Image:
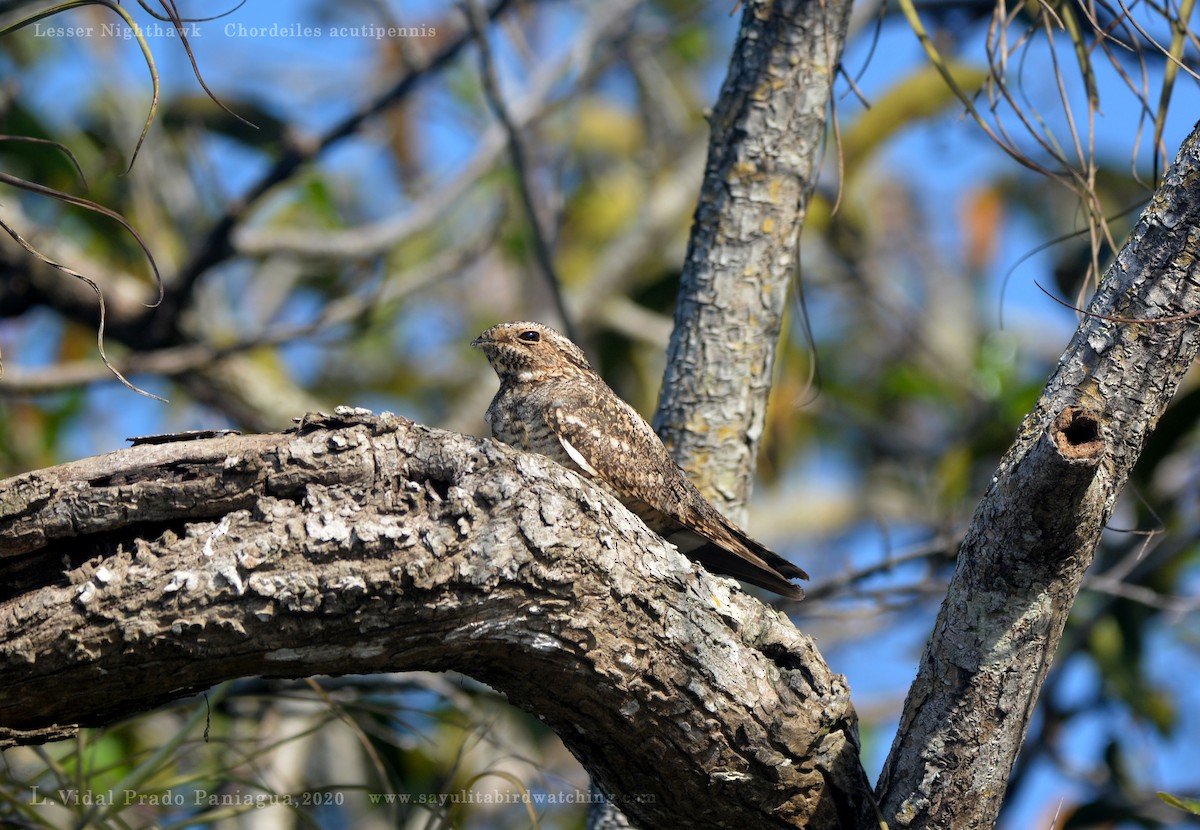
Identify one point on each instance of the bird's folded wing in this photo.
(611, 442)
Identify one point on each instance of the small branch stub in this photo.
(1076, 433)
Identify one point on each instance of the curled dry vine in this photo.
(171, 14)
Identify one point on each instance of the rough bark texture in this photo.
(1035, 532)
(362, 544)
(767, 127)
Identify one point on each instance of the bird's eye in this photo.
(530, 336)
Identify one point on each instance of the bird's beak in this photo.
(478, 342)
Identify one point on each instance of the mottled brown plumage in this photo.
(552, 402)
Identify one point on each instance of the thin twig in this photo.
(99, 302)
(185, 359)
(217, 245)
(939, 549)
(543, 254)
(380, 236)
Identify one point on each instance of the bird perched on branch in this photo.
(553, 403)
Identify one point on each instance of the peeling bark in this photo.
(367, 544)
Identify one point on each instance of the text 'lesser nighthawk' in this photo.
(553, 403)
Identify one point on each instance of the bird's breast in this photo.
(520, 422)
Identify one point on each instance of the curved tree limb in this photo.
(361, 544)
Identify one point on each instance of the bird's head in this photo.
(522, 352)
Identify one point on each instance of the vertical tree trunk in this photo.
(767, 128)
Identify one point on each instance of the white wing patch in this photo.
(577, 457)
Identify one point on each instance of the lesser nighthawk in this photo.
(552, 402)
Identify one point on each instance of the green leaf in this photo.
(1188, 805)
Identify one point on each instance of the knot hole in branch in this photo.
(1077, 433)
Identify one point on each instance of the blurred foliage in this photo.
(366, 752)
(346, 248)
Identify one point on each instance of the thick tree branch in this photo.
(1036, 530)
(364, 544)
(767, 127)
